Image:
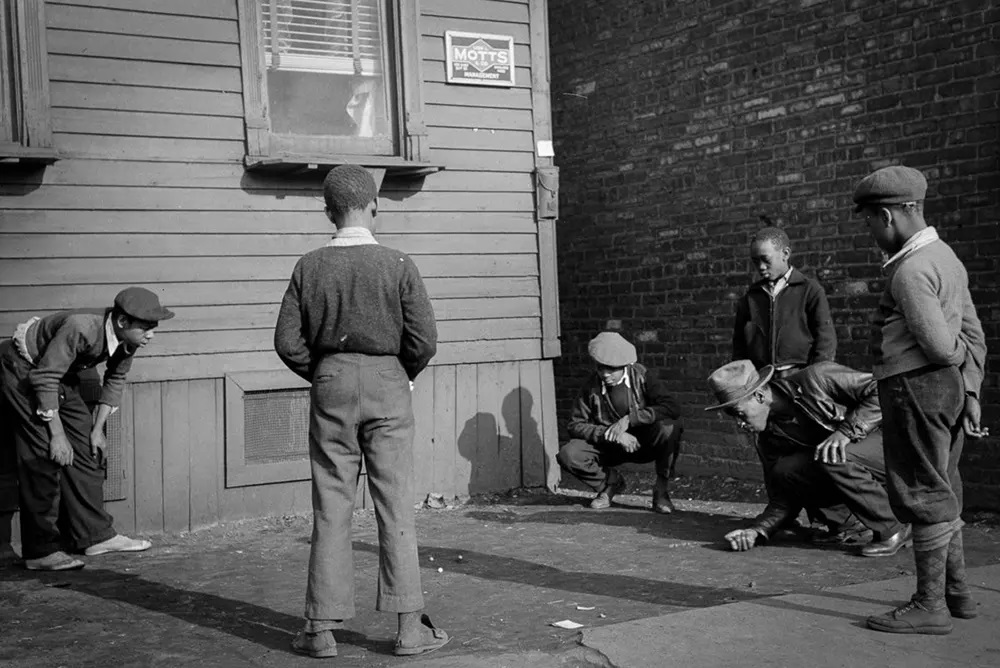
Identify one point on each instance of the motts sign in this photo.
(484, 60)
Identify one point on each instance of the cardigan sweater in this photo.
(794, 327)
(66, 343)
(355, 299)
(927, 317)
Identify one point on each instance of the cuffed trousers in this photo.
(921, 418)
(659, 442)
(53, 496)
(361, 407)
(858, 483)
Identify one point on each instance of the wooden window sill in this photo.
(298, 164)
(27, 156)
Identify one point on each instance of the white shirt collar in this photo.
(625, 379)
(778, 285)
(109, 333)
(352, 236)
(928, 235)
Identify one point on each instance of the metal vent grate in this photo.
(114, 484)
(276, 426)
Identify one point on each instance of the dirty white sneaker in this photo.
(57, 561)
(118, 543)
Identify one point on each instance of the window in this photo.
(332, 81)
(25, 129)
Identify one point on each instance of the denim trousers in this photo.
(62, 507)
(658, 442)
(921, 420)
(361, 408)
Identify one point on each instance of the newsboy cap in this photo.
(890, 185)
(141, 304)
(611, 349)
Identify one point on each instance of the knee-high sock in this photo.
(931, 568)
(955, 572)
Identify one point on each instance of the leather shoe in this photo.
(912, 617)
(891, 545)
(661, 498)
(961, 606)
(615, 486)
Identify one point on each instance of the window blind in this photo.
(334, 36)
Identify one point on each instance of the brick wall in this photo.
(682, 127)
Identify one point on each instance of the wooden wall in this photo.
(150, 189)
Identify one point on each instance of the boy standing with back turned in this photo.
(929, 370)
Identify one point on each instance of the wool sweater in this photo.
(66, 343)
(360, 299)
(793, 328)
(927, 317)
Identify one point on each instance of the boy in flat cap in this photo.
(623, 413)
(59, 444)
(930, 371)
(357, 323)
(819, 444)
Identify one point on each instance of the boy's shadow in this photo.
(247, 621)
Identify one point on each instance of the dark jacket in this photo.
(649, 402)
(798, 330)
(831, 396)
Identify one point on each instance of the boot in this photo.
(614, 485)
(661, 498)
(926, 612)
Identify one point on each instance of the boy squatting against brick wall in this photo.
(930, 370)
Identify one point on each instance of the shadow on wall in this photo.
(501, 459)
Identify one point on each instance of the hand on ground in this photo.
(742, 540)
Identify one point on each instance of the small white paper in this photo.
(567, 624)
(584, 607)
(545, 149)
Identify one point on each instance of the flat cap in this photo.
(611, 349)
(890, 185)
(142, 304)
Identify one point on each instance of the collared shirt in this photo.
(352, 236)
(928, 235)
(775, 288)
(623, 379)
(109, 332)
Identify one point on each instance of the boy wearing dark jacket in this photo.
(623, 413)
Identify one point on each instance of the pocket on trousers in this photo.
(393, 375)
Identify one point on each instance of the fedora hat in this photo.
(736, 381)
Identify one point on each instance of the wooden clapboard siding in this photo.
(123, 20)
(216, 9)
(253, 222)
(478, 428)
(84, 95)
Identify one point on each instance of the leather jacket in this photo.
(835, 398)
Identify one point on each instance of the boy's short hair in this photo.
(775, 235)
(348, 187)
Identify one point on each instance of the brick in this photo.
(718, 117)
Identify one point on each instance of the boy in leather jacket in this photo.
(819, 444)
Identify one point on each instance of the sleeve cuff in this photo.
(46, 415)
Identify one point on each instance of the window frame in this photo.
(30, 88)
(264, 148)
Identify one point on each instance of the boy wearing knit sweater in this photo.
(356, 322)
(930, 371)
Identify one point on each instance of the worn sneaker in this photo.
(57, 561)
(118, 543)
(913, 617)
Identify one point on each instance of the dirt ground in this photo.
(510, 566)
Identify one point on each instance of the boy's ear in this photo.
(374, 207)
(885, 215)
(329, 214)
